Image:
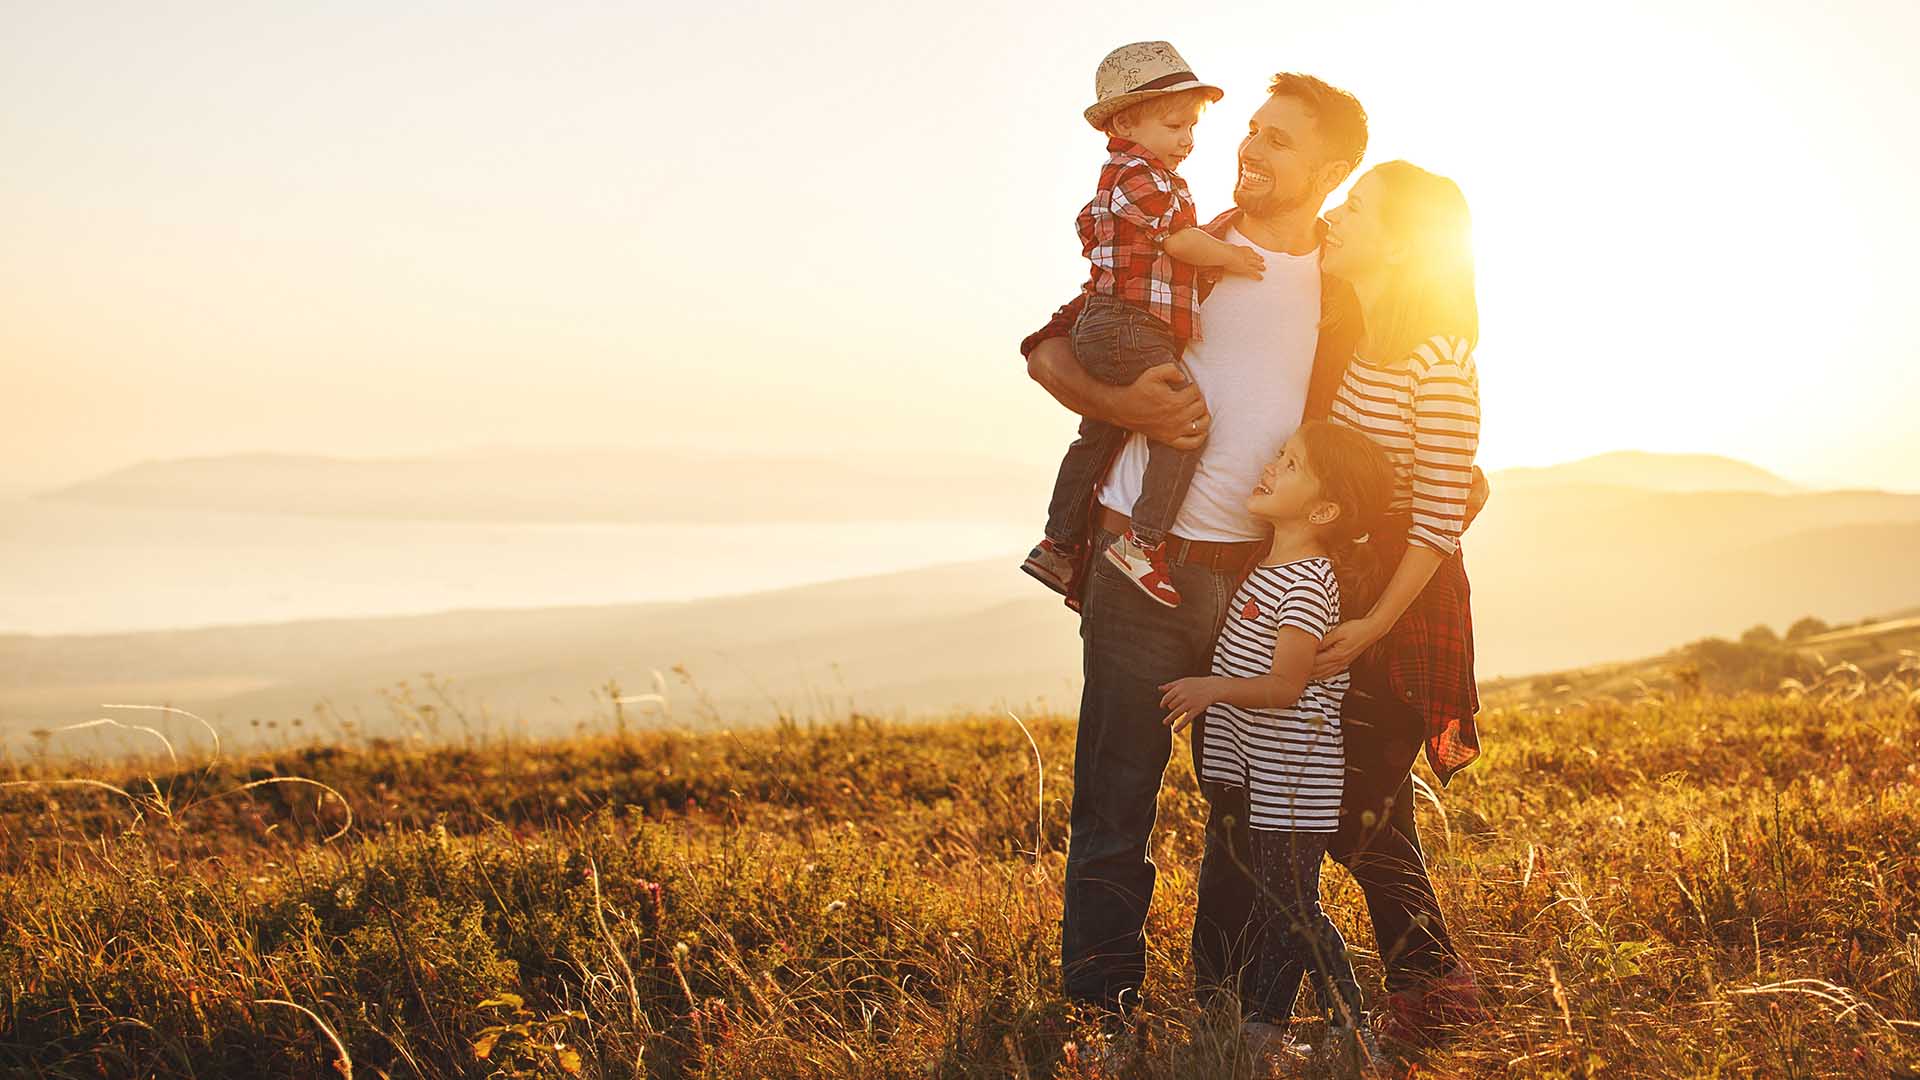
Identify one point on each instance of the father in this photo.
(1275, 351)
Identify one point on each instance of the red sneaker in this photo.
(1145, 567)
(1457, 1000)
(1052, 565)
(1428, 1015)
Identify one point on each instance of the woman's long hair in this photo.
(1356, 476)
(1429, 292)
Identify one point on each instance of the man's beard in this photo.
(1272, 203)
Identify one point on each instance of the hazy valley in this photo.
(1570, 567)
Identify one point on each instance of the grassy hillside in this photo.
(1677, 886)
(1809, 659)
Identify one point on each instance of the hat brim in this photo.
(1100, 112)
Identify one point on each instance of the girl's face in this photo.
(1288, 490)
(1357, 242)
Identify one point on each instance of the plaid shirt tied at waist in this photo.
(1140, 203)
(1426, 661)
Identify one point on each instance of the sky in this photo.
(368, 229)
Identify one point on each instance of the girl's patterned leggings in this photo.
(1293, 931)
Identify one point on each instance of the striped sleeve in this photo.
(1446, 434)
(1307, 605)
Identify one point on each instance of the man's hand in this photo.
(1188, 699)
(1246, 262)
(1164, 405)
(1477, 494)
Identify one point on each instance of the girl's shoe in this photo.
(1351, 1052)
(1145, 566)
(1052, 565)
(1275, 1052)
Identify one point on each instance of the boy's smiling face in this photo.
(1165, 128)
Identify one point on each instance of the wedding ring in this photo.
(1193, 426)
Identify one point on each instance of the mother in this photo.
(1403, 240)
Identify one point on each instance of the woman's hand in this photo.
(1342, 644)
(1186, 699)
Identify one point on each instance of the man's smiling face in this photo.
(1283, 160)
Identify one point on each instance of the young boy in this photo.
(1141, 234)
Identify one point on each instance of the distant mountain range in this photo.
(1652, 472)
(564, 485)
(1571, 566)
(508, 484)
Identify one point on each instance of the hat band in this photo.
(1164, 81)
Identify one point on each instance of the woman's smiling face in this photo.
(1287, 485)
(1357, 241)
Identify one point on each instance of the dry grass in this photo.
(1702, 887)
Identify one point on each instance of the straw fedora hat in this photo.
(1136, 72)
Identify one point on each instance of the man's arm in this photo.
(1161, 404)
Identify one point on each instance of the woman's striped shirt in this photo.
(1291, 760)
(1426, 414)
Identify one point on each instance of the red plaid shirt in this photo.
(1426, 661)
(1140, 203)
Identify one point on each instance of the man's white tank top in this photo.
(1253, 368)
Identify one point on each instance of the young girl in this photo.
(1273, 730)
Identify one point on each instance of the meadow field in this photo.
(1676, 885)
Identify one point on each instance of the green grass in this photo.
(1674, 887)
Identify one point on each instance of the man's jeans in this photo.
(1131, 644)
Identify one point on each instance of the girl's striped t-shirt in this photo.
(1290, 760)
(1426, 414)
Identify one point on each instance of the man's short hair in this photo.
(1336, 113)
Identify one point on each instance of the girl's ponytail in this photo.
(1356, 565)
(1356, 476)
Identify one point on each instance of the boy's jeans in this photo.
(1116, 342)
(1131, 644)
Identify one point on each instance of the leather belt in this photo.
(1231, 557)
